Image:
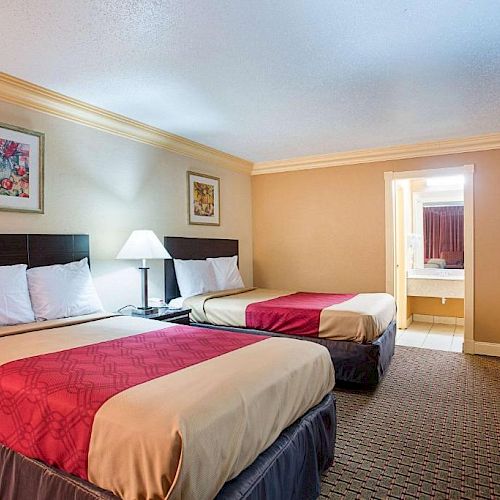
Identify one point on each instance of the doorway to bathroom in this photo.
(429, 240)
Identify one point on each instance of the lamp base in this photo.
(144, 311)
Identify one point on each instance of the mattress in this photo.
(149, 409)
(359, 317)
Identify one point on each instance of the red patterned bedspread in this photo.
(48, 402)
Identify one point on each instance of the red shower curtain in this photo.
(443, 231)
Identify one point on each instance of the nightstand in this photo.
(180, 316)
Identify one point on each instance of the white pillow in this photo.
(194, 277)
(62, 291)
(226, 272)
(15, 305)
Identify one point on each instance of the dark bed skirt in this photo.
(355, 364)
(289, 469)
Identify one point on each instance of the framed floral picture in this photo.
(203, 199)
(21, 169)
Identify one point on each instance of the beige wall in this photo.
(107, 186)
(324, 230)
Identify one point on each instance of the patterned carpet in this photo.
(430, 430)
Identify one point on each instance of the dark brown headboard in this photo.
(196, 249)
(42, 249)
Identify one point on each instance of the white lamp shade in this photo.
(143, 244)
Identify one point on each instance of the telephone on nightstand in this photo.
(156, 302)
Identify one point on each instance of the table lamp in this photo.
(142, 245)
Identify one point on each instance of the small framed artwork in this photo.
(203, 199)
(21, 169)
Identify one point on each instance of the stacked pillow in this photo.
(195, 277)
(227, 274)
(211, 275)
(15, 304)
(48, 292)
(63, 291)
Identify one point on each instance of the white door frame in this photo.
(468, 172)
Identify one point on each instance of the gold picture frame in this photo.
(22, 153)
(203, 199)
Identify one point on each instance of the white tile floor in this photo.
(432, 336)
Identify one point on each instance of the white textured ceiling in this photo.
(272, 79)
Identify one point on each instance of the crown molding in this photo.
(29, 95)
(433, 148)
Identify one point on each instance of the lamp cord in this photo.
(125, 307)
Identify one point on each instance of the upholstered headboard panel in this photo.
(42, 249)
(196, 249)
